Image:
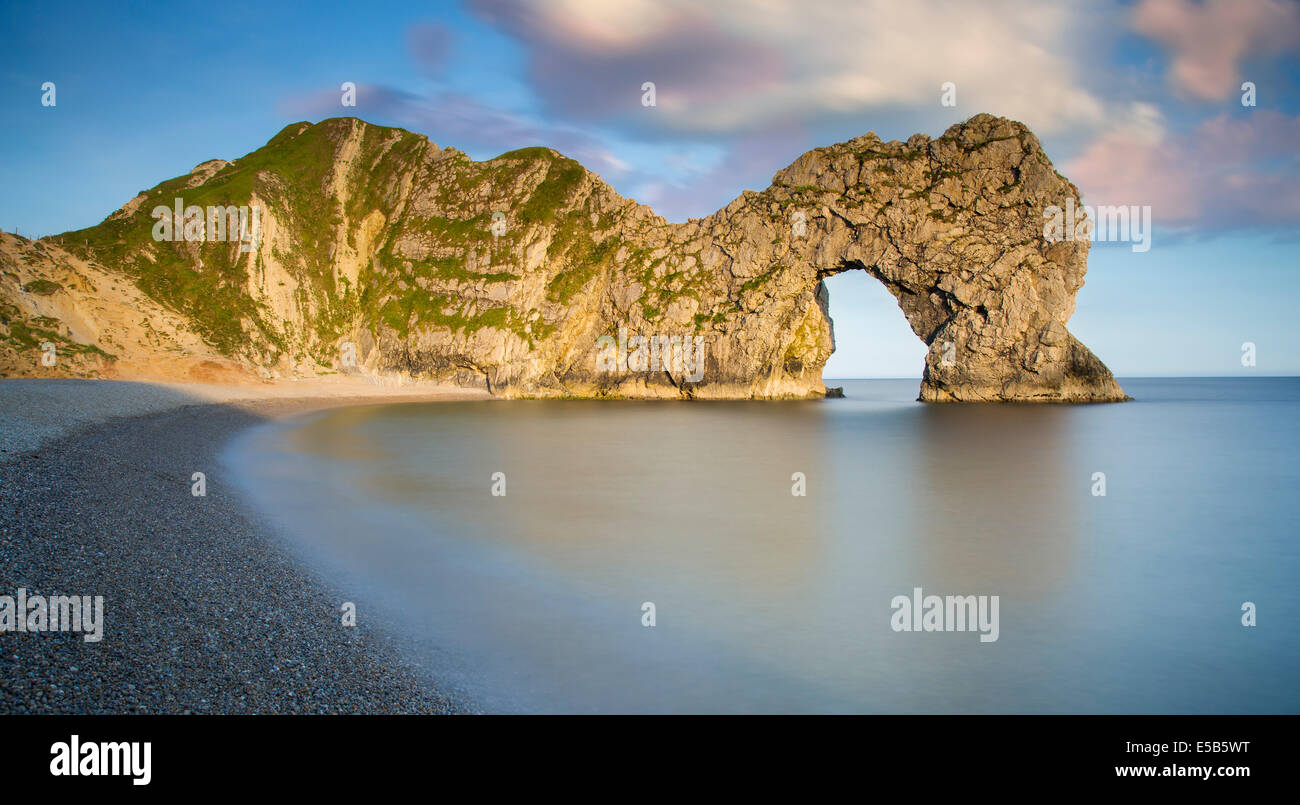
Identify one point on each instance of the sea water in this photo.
(1129, 547)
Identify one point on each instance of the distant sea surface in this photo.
(766, 601)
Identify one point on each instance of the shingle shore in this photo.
(203, 611)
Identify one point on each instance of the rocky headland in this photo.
(347, 248)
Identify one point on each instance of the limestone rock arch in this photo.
(953, 226)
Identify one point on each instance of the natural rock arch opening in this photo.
(873, 340)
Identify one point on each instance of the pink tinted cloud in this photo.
(1208, 40)
(1230, 172)
(579, 73)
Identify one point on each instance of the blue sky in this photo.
(1139, 103)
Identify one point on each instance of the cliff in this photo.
(371, 250)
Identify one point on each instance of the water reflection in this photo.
(769, 601)
(994, 498)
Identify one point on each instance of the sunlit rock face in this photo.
(380, 253)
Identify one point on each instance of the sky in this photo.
(1139, 103)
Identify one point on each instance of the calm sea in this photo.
(767, 601)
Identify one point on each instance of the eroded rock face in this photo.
(383, 254)
(954, 229)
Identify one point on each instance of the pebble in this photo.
(202, 603)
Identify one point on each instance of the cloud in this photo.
(752, 160)
(745, 86)
(1239, 171)
(457, 120)
(1208, 40)
(732, 66)
(671, 177)
(430, 46)
(589, 61)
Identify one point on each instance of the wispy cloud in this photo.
(455, 119)
(1238, 171)
(730, 66)
(431, 46)
(751, 85)
(707, 190)
(1209, 40)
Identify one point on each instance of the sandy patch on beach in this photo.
(37, 411)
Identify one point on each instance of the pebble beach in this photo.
(204, 611)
